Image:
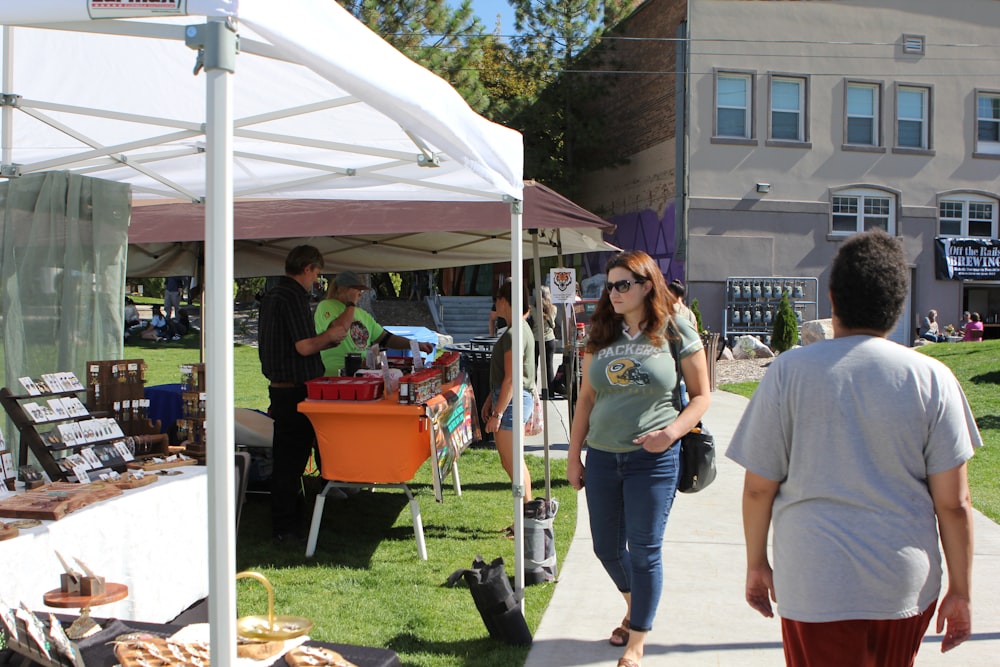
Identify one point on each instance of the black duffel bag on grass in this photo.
(494, 597)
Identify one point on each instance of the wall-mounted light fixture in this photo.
(763, 188)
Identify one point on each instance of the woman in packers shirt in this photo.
(625, 414)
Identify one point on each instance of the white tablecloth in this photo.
(153, 539)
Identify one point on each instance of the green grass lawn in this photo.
(366, 585)
(977, 367)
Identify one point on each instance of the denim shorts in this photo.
(507, 420)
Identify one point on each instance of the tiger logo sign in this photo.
(563, 285)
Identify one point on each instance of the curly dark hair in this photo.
(606, 324)
(869, 281)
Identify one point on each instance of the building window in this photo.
(858, 211)
(862, 114)
(968, 215)
(988, 122)
(733, 108)
(788, 108)
(912, 117)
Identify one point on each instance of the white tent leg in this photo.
(517, 307)
(218, 326)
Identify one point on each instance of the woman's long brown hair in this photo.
(606, 324)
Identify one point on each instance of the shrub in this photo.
(697, 316)
(785, 328)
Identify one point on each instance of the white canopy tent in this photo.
(315, 106)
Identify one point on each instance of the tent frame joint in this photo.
(10, 170)
(517, 490)
(429, 160)
(217, 45)
(516, 205)
(10, 100)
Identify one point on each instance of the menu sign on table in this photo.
(452, 428)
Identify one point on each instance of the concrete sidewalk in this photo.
(702, 618)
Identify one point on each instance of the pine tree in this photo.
(697, 315)
(446, 39)
(785, 327)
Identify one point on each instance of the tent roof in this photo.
(363, 236)
(324, 108)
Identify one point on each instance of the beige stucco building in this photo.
(800, 123)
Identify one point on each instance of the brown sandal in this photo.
(619, 636)
(625, 662)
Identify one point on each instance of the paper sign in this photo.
(562, 284)
(114, 9)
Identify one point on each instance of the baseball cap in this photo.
(349, 279)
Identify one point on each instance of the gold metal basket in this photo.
(270, 627)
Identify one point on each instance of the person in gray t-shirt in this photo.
(855, 449)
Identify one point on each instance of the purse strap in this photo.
(675, 353)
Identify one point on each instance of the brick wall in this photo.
(641, 107)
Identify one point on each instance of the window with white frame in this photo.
(856, 211)
(988, 122)
(788, 108)
(912, 117)
(733, 110)
(967, 215)
(862, 114)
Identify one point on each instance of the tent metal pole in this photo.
(540, 343)
(517, 309)
(7, 140)
(217, 47)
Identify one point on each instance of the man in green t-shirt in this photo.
(363, 331)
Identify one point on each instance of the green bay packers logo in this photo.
(623, 372)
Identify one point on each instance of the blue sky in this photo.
(487, 11)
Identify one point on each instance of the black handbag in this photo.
(697, 460)
(697, 468)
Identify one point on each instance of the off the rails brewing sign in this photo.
(966, 258)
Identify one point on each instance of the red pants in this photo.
(862, 643)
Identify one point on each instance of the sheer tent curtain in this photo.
(64, 239)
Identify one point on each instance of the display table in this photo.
(98, 649)
(153, 539)
(384, 443)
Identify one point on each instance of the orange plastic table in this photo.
(370, 443)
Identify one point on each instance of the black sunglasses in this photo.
(623, 285)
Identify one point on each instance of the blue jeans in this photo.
(629, 497)
(507, 420)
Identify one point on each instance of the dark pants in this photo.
(293, 442)
(550, 351)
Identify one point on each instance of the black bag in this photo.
(494, 597)
(697, 460)
(697, 447)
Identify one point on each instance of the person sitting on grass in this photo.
(180, 325)
(158, 328)
(974, 329)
